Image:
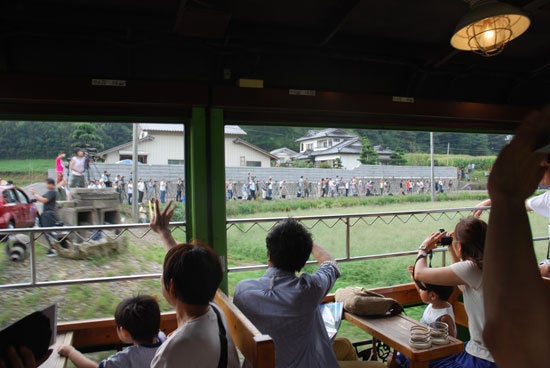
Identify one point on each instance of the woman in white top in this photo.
(466, 252)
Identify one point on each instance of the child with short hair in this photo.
(438, 310)
(138, 322)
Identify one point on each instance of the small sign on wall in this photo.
(109, 82)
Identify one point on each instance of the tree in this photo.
(337, 164)
(368, 155)
(398, 158)
(85, 135)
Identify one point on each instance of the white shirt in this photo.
(196, 344)
(432, 314)
(78, 164)
(162, 186)
(473, 302)
(141, 186)
(540, 204)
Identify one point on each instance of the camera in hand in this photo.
(446, 240)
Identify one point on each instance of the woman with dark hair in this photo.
(466, 251)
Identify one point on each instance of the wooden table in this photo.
(395, 332)
(55, 360)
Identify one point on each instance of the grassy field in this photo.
(25, 172)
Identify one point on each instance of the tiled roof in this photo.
(153, 127)
(324, 133)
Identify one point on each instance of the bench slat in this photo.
(257, 348)
(55, 360)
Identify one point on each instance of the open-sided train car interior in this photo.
(209, 63)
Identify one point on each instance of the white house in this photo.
(163, 144)
(332, 144)
(284, 155)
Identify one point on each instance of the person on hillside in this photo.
(270, 188)
(77, 167)
(467, 255)
(130, 191)
(48, 218)
(252, 189)
(150, 190)
(162, 188)
(517, 300)
(229, 190)
(63, 192)
(179, 189)
(284, 189)
(59, 167)
(191, 275)
(141, 190)
(138, 323)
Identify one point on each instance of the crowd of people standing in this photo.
(253, 188)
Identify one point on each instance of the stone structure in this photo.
(89, 207)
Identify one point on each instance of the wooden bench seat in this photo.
(100, 334)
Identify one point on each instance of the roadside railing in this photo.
(242, 226)
(111, 232)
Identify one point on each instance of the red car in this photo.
(16, 209)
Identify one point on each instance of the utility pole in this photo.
(432, 175)
(135, 176)
(448, 151)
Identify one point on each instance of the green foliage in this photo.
(398, 158)
(368, 155)
(302, 164)
(324, 165)
(273, 137)
(423, 159)
(236, 209)
(85, 135)
(36, 139)
(337, 163)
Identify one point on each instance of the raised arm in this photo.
(438, 275)
(38, 197)
(160, 223)
(487, 203)
(321, 254)
(514, 293)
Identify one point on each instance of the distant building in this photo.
(163, 144)
(284, 155)
(329, 145)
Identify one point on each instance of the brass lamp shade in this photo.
(488, 27)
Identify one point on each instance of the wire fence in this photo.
(239, 228)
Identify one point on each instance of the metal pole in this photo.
(432, 176)
(348, 250)
(135, 176)
(33, 259)
(448, 152)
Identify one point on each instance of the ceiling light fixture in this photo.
(488, 27)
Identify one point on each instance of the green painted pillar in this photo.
(217, 213)
(196, 175)
(205, 181)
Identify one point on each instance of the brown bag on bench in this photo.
(367, 303)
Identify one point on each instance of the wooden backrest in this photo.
(257, 348)
(100, 334)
